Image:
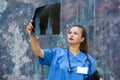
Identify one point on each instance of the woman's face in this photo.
(74, 35)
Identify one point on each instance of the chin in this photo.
(71, 42)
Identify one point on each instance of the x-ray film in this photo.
(46, 19)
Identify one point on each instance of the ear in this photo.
(82, 39)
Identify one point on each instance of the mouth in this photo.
(70, 38)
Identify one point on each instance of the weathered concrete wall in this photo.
(101, 18)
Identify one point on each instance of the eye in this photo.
(75, 33)
(69, 32)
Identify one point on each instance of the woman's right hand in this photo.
(29, 28)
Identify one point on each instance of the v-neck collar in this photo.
(73, 54)
(80, 56)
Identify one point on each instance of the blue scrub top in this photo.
(59, 65)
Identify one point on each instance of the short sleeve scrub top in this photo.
(57, 58)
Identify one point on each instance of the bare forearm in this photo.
(35, 46)
(34, 42)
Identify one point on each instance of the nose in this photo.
(71, 35)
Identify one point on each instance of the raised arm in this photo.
(34, 42)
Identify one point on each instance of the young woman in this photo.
(73, 63)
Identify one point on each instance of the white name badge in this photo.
(82, 70)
